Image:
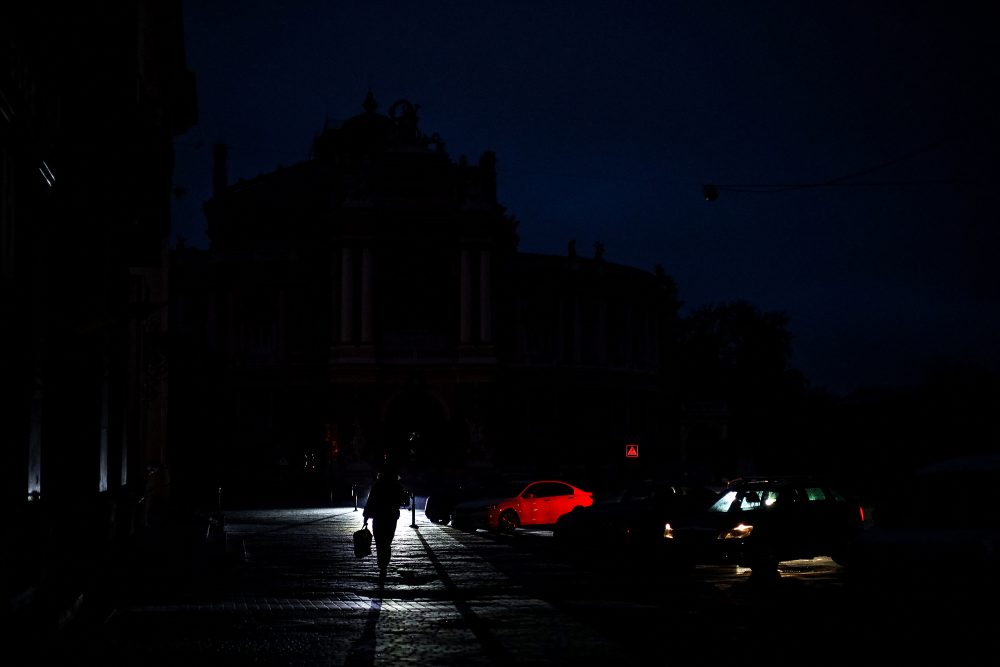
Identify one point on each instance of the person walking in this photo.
(382, 507)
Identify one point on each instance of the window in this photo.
(746, 500)
(815, 493)
(724, 503)
(547, 489)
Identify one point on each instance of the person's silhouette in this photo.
(384, 500)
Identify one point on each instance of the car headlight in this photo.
(740, 532)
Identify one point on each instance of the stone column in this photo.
(577, 332)
(629, 341)
(35, 432)
(485, 305)
(366, 295)
(280, 346)
(346, 295)
(602, 331)
(465, 330)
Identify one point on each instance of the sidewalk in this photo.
(70, 590)
(292, 593)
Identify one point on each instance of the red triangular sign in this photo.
(632, 451)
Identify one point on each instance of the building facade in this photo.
(89, 104)
(371, 302)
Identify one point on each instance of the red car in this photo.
(539, 503)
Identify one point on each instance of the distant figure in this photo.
(384, 500)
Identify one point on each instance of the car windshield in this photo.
(745, 500)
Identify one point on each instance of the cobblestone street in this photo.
(297, 596)
(291, 592)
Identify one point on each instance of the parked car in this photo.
(463, 487)
(934, 528)
(471, 511)
(540, 503)
(440, 503)
(448, 492)
(758, 522)
(629, 519)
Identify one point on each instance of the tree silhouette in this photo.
(737, 354)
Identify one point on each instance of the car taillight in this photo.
(861, 512)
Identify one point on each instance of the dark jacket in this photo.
(386, 497)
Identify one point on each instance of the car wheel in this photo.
(764, 567)
(678, 566)
(842, 555)
(508, 522)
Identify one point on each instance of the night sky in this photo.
(853, 145)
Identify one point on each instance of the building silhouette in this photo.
(371, 302)
(89, 103)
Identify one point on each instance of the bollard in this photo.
(413, 510)
(354, 492)
(215, 535)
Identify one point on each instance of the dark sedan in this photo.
(628, 520)
(472, 511)
(758, 522)
(465, 487)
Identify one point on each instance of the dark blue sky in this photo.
(608, 117)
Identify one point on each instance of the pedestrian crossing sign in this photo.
(631, 451)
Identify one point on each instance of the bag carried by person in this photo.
(362, 542)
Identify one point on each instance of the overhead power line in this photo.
(711, 190)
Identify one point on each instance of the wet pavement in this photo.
(288, 591)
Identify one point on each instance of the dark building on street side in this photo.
(371, 301)
(90, 99)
